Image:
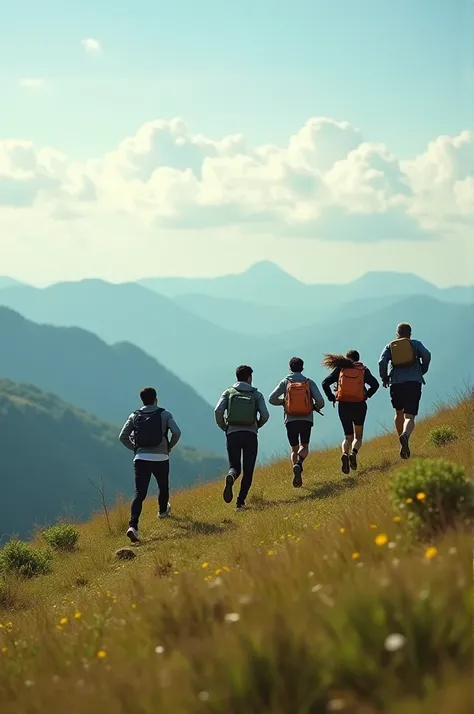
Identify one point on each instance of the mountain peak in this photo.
(265, 267)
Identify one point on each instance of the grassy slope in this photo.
(313, 617)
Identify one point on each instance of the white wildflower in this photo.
(160, 649)
(232, 617)
(395, 642)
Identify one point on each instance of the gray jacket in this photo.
(167, 424)
(277, 397)
(221, 408)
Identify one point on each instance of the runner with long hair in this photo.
(351, 394)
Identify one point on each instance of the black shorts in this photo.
(406, 397)
(299, 432)
(352, 414)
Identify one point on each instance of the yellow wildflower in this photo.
(355, 556)
(342, 530)
(4, 650)
(409, 500)
(397, 519)
(381, 539)
(101, 654)
(271, 552)
(218, 571)
(205, 565)
(372, 525)
(134, 607)
(420, 496)
(227, 570)
(63, 621)
(431, 552)
(77, 615)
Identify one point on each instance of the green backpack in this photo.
(241, 407)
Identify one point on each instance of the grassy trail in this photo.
(286, 608)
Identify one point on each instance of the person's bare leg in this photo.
(303, 452)
(358, 436)
(356, 444)
(346, 447)
(294, 454)
(297, 466)
(399, 421)
(409, 424)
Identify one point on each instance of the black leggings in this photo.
(242, 447)
(352, 414)
(143, 473)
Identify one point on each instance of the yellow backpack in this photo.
(402, 352)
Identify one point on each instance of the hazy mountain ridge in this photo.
(104, 380)
(268, 284)
(50, 449)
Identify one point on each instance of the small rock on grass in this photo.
(125, 554)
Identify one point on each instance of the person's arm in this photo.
(372, 382)
(277, 397)
(263, 415)
(220, 410)
(425, 357)
(317, 397)
(175, 432)
(126, 433)
(383, 365)
(328, 382)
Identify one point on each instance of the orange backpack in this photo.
(298, 401)
(351, 384)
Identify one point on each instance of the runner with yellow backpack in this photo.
(351, 394)
(300, 397)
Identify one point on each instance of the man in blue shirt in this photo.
(405, 378)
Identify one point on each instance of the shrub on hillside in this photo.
(22, 559)
(435, 494)
(442, 435)
(62, 537)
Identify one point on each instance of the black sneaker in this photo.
(345, 466)
(228, 490)
(405, 452)
(297, 478)
(353, 461)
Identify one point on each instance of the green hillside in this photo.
(102, 379)
(315, 600)
(48, 452)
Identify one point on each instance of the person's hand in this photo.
(385, 384)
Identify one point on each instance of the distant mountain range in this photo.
(267, 284)
(202, 336)
(48, 452)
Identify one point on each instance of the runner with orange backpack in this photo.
(351, 395)
(300, 397)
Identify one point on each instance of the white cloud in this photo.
(91, 45)
(327, 183)
(31, 82)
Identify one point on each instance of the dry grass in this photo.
(283, 609)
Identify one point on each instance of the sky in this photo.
(195, 138)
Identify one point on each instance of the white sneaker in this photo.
(132, 533)
(166, 513)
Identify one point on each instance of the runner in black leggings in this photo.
(351, 377)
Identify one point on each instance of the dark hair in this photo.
(243, 373)
(404, 329)
(296, 364)
(353, 355)
(339, 361)
(148, 396)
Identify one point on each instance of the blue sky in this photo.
(368, 105)
(398, 70)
